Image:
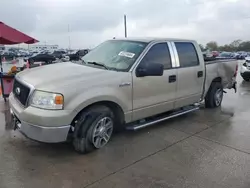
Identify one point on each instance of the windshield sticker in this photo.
(126, 54)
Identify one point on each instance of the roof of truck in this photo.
(154, 39)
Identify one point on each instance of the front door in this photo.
(155, 94)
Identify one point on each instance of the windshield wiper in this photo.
(98, 64)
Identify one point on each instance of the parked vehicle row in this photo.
(43, 56)
(126, 83)
(225, 55)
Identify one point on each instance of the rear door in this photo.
(155, 94)
(190, 75)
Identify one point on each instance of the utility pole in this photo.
(69, 37)
(125, 25)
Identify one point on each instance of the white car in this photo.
(245, 69)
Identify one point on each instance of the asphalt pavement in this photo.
(206, 148)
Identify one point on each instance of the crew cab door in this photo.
(190, 74)
(155, 94)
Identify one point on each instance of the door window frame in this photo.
(177, 56)
(146, 50)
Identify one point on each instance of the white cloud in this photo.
(91, 22)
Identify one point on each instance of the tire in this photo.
(89, 131)
(214, 95)
(31, 61)
(246, 79)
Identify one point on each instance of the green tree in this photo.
(212, 45)
(202, 47)
(236, 43)
(244, 46)
(226, 47)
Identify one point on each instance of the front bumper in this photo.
(40, 133)
(40, 125)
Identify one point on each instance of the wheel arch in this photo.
(217, 79)
(113, 106)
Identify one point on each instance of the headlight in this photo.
(47, 100)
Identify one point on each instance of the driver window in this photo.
(159, 53)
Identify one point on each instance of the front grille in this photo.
(21, 91)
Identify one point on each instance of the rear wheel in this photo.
(246, 79)
(214, 95)
(49, 61)
(31, 61)
(94, 129)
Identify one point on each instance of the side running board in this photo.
(152, 121)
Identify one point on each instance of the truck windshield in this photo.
(117, 55)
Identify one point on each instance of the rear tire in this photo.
(94, 129)
(214, 95)
(31, 61)
(246, 79)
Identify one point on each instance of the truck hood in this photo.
(50, 77)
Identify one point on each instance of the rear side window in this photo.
(159, 53)
(187, 54)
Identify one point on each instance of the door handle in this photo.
(172, 78)
(200, 74)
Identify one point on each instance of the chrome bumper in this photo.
(41, 133)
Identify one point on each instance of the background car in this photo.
(59, 54)
(78, 55)
(226, 55)
(42, 57)
(245, 69)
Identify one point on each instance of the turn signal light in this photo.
(59, 99)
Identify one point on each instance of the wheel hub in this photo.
(102, 132)
(218, 96)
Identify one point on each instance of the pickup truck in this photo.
(120, 84)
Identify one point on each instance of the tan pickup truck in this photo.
(122, 83)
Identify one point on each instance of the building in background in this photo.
(43, 47)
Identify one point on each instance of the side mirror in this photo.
(150, 69)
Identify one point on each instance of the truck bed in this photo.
(219, 61)
(222, 68)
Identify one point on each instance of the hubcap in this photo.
(218, 97)
(102, 132)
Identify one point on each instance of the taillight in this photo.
(236, 70)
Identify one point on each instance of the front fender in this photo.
(120, 96)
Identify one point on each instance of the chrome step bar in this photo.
(170, 116)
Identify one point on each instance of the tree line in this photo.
(237, 45)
